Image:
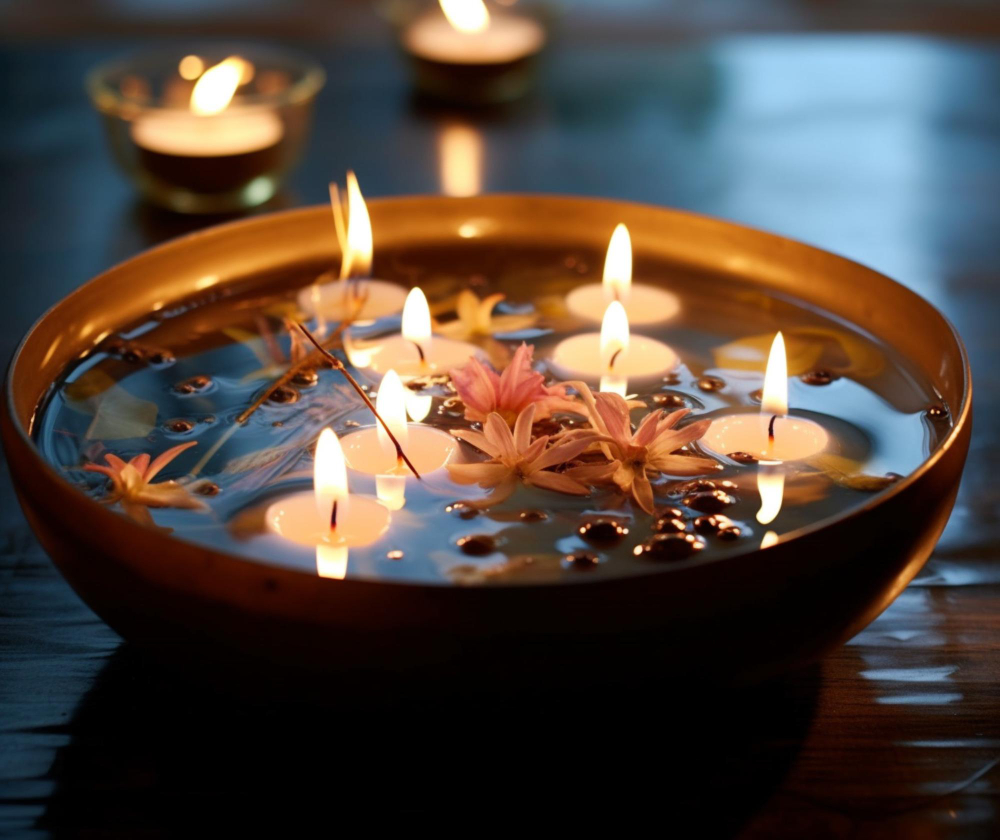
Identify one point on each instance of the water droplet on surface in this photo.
(477, 545)
(581, 560)
(711, 383)
(283, 395)
(670, 525)
(669, 400)
(395, 554)
(742, 457)
(207, 488)
(306, 378)
(195, 383)
(937, 412)
(462, 510)
(818, 377)
(757, 396)
(602, 531)
(711, 523)
(672, 379)
(533, 515)
(669, 547)
(162, 357)
(709, 501)
(180, 425)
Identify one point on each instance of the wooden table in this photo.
(885, 149)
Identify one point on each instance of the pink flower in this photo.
(650, 450)
(131, 484)
(485, 392)
(515, 457)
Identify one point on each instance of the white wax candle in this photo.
(644, 304)
(794, 438)
(184, 134)
(506, 38)
(331, 300)
(296, 519)
(428, 448)
(415, 352)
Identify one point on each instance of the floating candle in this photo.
(370, 450)
(329, 516)
(209, 147)
(415, 351)
(644, 304)
(612, 356)
(349, 296)
(467, 34)
(770, 435)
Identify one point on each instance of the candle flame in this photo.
(618, 266)
(330, 478)
(215, 89)
(771, 486)
(614, 335)
(460, 149)
(356, 241)
(417, 319)
(775, 396)
(391, 406)
(468, 16)
(331, 561)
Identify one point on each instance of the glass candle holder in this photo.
(471, 52)
(210, 130)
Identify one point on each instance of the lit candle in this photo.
(613, 356)
(771, 434)
(370, 450)
(467, 34)
(460, 153)
(363, 299)
(415, 351)
(329, 518)
(209, 146)
(644, 304)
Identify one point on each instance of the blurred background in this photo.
(868, 127)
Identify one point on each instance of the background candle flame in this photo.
(618, 266)
(357, 239)
(190, 67)
(466, 15)
(775, 394)
(330, 477)
(213, 92)
(460, 148)
(417, 319)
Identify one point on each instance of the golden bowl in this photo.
(740, 616)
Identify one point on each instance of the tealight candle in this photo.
(415, 351)
(209, 147)
(644, 304)
(370, 450)
(467, 34)
(329, 518)
(770, 435)
(353, 294)
(612, 356)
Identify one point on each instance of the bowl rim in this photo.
(960, 418)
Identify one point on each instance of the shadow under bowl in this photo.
(738, 617)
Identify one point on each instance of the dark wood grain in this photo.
(886, 149)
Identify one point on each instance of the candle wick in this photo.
(333, 516)
(420, 350)
(611, 364)
(338, 366)
(770, 428)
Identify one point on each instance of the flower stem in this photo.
(338, 365)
